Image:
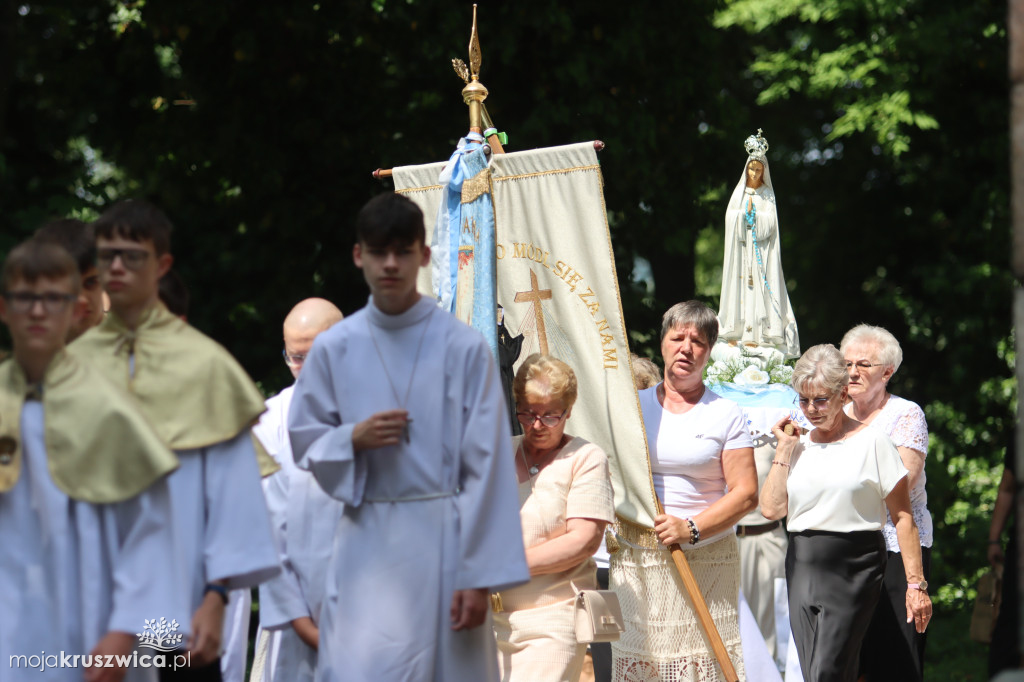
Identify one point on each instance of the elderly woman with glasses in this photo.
(893, 649)
(834, 484)
(702, 467)
(565, 494)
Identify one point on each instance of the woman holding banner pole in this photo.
(702, 464)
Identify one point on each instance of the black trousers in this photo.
(835, 580)
(601, 652)
(893, 651)
(1004, 652)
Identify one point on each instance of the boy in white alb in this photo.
(202, 404)
(89, 553)
(399, 414)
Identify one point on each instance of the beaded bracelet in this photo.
(694, 532)
(780, 463)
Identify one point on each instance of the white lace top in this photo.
(904, 421)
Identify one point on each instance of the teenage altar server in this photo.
(399, 414)
(88, 550)
(201, 403)
(304, 518)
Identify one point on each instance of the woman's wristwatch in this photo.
(923, 586)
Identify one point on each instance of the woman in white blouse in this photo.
(565, 502)
(834, 484)
(893, 649)
(702, 466)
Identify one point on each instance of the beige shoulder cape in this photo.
(99, 448)
(187, 385)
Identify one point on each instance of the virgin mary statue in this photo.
(755, 309)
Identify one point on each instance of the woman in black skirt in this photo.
(834, 484)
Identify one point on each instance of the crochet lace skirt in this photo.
(663, 641)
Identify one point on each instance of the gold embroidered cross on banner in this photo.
(535, 295)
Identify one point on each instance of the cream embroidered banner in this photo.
(557, 285)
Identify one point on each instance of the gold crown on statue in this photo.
(756, 146)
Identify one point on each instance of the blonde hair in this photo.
(543, 377)
(645, 372)
(822, 364)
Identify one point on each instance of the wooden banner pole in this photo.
(701, 607)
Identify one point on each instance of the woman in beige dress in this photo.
(565, 495)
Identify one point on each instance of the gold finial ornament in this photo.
(474, 49)
(474, 93)
(463, 72)
(461, 69)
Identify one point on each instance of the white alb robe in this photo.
(71, 571)
(422, 518)
(220, 517)
(303, 519)
(217, 505)
(754, 306)
(235, 636)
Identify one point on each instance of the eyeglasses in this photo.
(863, 364)
(293, 359)
(529, 418)
(819, 403)
(24, 301)
(132, 259)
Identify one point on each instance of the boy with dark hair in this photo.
(388, 220)
(89, 553)
(76, 237)
(398, 413)
(137, 221)
(201, 403)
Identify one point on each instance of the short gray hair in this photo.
(822, 364)
(691, 314)
(889, 352)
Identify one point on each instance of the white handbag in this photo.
(598, 616)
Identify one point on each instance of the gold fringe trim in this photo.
(410, 190)
(556, 171)
(637, 535)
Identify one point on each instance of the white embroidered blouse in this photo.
(904, 422)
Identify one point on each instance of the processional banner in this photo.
(557, 286)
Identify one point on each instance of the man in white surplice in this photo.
(399, 414)
(89, 553)
(303, 518)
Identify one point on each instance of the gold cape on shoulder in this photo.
(99, 448)
(219, 399)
